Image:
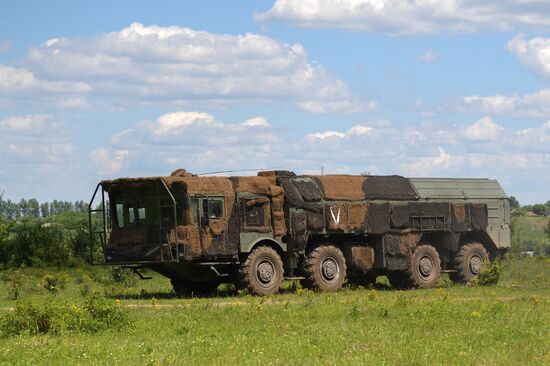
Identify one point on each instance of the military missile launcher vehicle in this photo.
(255, 231)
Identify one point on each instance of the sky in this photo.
(420, 88)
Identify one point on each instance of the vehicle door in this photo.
(255, 222)
(209, 214)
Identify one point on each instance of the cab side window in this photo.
(205, 209)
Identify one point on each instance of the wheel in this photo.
(423, 272)
(325, 268)
(186, 288)
(262, 271)
(469, 262)
(425, 267)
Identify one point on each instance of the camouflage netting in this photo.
(392, 187)
(341, 187)
(263, 185)
(399, 248)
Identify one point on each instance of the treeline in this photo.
(32, 208)
(538, 209)
(51, 233)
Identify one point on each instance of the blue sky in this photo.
(99, 90)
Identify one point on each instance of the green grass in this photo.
(507, 324)
(527, 228)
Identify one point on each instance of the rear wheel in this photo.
(262, 271)
(469, 262)
(423, 272)
(324, 269)
(425, 267)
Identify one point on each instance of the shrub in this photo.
(54, 283)
(31, 318)
(105, 314)
(123, 276)
(14, 282)
(490, 275)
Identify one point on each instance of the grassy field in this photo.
(528, 229)
(504, 324)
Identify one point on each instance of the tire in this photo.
(469, 261)
(425, 267)
(324, 269)
(262, 271)
(423, 272)
(186, 288)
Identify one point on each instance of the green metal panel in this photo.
(460, 188)
(249, 239)
(487, 191)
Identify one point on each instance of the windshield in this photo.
(138, 207)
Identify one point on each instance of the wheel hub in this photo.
(265, 271)
(329, 269)
(475, 264)
(426, 266)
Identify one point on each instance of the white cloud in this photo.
(195, 140)
(72, 103)
(153, 64)
(107, 163)
(34, 149)
(483, 130)
(529, 105)
(326, 135)
(15, 79)
(255, 122)
(199, 142)
(357, 130)
(429, 56)
(534, 53)
(31, 122)
(400, 17)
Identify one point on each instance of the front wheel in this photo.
(262, 271)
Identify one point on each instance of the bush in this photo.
(490, 275)
(14, 282)
(31, 318)
(123, 276)
(54, 283)
(105, 314)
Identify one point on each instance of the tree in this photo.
(33, 208)
(45, 209)
(23, 207)
(540, 209)
(514, 203)
(2, 205)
